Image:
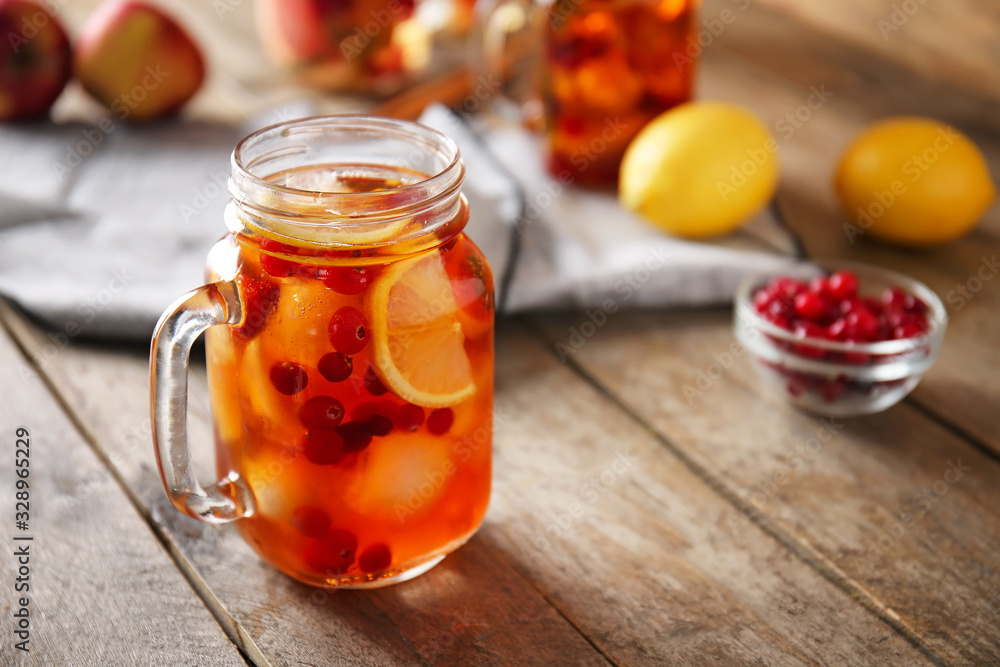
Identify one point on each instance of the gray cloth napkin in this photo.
(103, 226)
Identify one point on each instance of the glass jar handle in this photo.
(209, 305)
(506, 48)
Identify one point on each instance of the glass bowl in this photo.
(839, 378)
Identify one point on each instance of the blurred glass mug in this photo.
(349, 345)
(607, 68)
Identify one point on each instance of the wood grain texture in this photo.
(102, 589)
(902, 510)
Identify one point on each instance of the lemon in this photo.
(913, 181)
(700, 169)
(417, 338)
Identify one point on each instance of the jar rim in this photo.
(287, 210)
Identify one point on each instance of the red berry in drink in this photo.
(810, 306)
(259, 300)
(375, 558)
(335, 367)
(378, 425)
(288, 378)
(440, 421)
(311, 521)
(842, 285)
(409, 417)
(348, 330)
(273, 265)
(356, 436)
(332, 554)
(373, 384)
(347, 279)
(323, 448)
(322, 413)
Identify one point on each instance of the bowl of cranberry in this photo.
(838, 338)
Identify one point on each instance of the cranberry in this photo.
(859, 358)
(831, 390)
(375, 558)
(820, 286)
(843, 285)
(798, 384)
(323, 448)
(347, 279)
(862, 325)
(908, 330)
(810, 306)
(322, 413)
(260, 299)
(379, 425)
(348, 330)
(439, 421)
(311, 521)
(356, 436)
(276, 266)
(850, 305)
(894, 298)
(335, 366)
(333, 553)
(915, 304)
(837, 330)
(373, 384)
(810, 330)
(288, 378)
(409, 417)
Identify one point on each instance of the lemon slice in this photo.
(417, 339)
(362, 233)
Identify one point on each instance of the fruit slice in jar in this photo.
(417, 340)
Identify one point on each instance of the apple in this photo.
(35, 59)
(137, 61)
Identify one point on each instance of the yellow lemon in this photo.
(913, 181)
(700, 169)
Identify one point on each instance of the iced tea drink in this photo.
(352, 392)
(611, 67)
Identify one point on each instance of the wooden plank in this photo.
(93, 560)
(895, 508)
(958, 40)
(471, 609)
(640, 572)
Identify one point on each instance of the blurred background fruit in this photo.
(137, 60)
(35, 59)
(914, 182)
(701, 169)
(363, 45)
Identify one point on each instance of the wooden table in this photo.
(629, 525)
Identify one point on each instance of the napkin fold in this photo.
(101, 229)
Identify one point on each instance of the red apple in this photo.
(137, 60)
(339, 44)
(35, 60)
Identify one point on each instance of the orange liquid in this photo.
(612, 66)
(389, 485)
